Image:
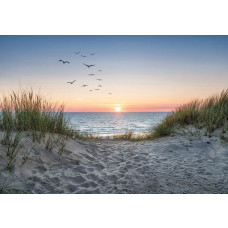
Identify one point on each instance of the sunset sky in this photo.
(143, 73)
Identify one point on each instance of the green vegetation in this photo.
(210, 114)
(27, 111)
(128, 135)
(131, 136)
(12, 144)
(5, 187)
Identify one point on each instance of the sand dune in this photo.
(178, 164)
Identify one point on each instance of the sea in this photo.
(108, 123)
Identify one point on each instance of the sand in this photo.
(175, 164)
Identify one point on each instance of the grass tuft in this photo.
(211, 114)
(128, 135)
(28, 111)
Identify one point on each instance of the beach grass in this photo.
(209, 114)
(133, 137)
(28, 111)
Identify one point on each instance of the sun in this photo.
(118, 109)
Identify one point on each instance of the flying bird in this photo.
(100, 86)
(84, 85)
(99, 79)
(89, 65)
(90, 90)
(83, 56)
(71, 82)
(91, 74)
(110, 93)
(92, 53)
(77, 53)
(99, 70)
(64, 61)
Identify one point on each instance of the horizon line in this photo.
(115, 112)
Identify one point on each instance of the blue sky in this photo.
(143, 73)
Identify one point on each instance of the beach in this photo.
(188, 163)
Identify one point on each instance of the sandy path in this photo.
(168, 165)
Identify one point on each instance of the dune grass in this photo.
(28, 111)
(131, 136)
(210, 114)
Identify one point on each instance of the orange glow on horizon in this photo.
(120, 109)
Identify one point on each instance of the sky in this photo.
(142, 73)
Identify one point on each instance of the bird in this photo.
(90, 90)
(91, 74)
(64, 61)
(99, 79)
(77, 53)
(99, 70)
(92, 53)
(83, 56)
(97, 89)
(100, 86)
(71, 82)
(84, 85)
(89, 65)
(110, 93)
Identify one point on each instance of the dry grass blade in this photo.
(28, 111)
(210, 114)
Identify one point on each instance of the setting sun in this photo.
(118, 109)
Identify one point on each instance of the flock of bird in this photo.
(88, 66)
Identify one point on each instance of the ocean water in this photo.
(106, 124)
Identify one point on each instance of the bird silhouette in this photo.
(110, 93)
(84, 85)
(91, 74)
(92, 53)
(89, 65)
(71, 82)
(99, 79)
(64, 61)
(77, 53)
(100, 86)
(90, 90)
(99, 70)
(83, 56)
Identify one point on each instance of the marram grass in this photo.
(28, 111)
(210, 114)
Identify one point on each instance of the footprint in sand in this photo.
(89, 184)
(79, 169)
(41, 169)
(72, 188)
(78, 179)
(34, 172)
